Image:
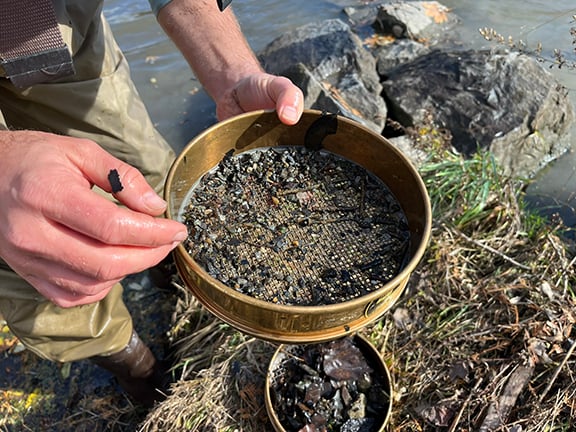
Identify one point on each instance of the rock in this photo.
(361, 15)
(358, 408)
(403, 143)
(427, 22)
(422, 21)
(397, 53)
(336, 73)
(504, 102)
(399, 32)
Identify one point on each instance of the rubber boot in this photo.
(137, 371)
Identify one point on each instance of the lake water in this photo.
(181, 109)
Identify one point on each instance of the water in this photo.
(181, 109)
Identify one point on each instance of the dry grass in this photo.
(222, 377)
(482, 339)
(557, 58)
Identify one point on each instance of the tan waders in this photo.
(100, 103)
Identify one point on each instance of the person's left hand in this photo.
(262, 91)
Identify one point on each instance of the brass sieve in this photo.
(345, 243)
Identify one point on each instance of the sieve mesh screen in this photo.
(298, 227)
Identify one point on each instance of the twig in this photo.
(499, 409)
(571, 263)
(494, 251)
(557, 372)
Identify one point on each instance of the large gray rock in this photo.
(505, 102)
(336, 73)
(398, 32)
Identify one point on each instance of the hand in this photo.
(213, 44)
(66, 240)
(263, 91)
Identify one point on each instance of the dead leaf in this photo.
(7, 339)
(440, 415)
(378, 40)
(460, 371)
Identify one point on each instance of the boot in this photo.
(137, 371)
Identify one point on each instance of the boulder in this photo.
(335, 71)
(427, 22)
(504, 102)
(423, 21)
(398, 32)
(397, 53)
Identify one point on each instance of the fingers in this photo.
(81, 274)
(64, 196)
(69, 242)
(112, 175)
(87, 257)
(96, 217)
(264, 91)
(114, 262)
(65, 297)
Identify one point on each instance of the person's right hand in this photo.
(66, 240)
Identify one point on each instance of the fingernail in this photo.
(153, 201)
(290, 114)
(180, 237)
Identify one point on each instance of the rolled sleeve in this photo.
(156, 5)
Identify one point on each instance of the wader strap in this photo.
(32, 50)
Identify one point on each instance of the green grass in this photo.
(461, 187)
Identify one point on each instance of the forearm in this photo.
(211, 41)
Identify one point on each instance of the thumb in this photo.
(289, 99)
(122, 180)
